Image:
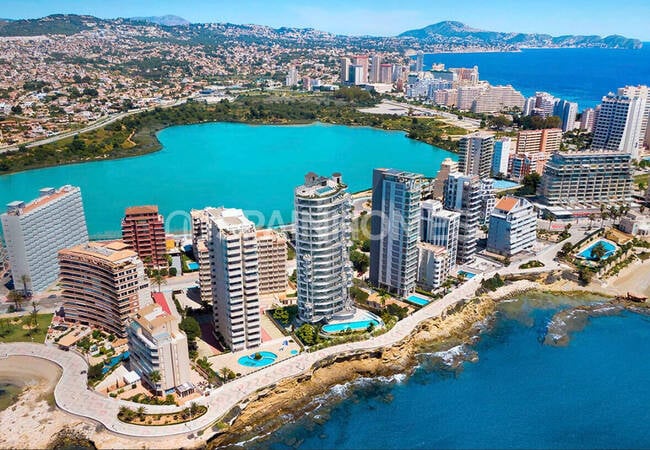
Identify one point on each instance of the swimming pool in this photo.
(193, 266)
(354, 326)
(468, 275)
(504, 184)
(417, 300)
(265, 359)
(610, 249)
(114, 361)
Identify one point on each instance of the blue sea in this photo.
(582, 75)
(520, 393)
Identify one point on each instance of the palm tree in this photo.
(155, 378)
(603, 214)
(25, 279)
(158, 279)
(592, 217)
(598, 251)
(16, 297)
(194, 409)
(140, 412)
(613, 212)
(548, 215)
(33, 318)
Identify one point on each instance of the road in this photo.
(95, 125)
(466, 122)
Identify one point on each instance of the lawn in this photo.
(11, 328)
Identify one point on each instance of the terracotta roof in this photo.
(507, 203)
(146, 209)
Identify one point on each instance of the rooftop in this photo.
(145, 209)
(320, 186)
(230, 220)
(112, 252)
(48, 195)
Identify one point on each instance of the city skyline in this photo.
(380, 17)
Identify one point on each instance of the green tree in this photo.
(307, 334)
(158, 279)
(24, 278)
(598, 251)
(140, 412)
(281, 315)
(17, 298)
(585, 275)
(360, 261)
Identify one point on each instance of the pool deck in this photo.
(275, 346)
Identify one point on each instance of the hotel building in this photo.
(513, 227)
(463, 195)
(144, 230)
(395, 226)
(34, 232)
(235, 278)
(103, 284)
(496, 99)
(475, 154)
(323, 240)
(156, 344)
(587, 179)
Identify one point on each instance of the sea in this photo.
(582, 75)
(513, 391)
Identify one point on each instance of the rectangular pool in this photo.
(417, 300)
(468, 275)
(610, 249)
(354, 326)
(500, 185)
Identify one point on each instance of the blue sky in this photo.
(376, 17)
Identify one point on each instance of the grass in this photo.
(11, 328)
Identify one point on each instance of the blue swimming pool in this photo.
(417, 300)
(265, 359)
(504, 184)
(193, 266)
(468, 275)
(114, 361)
(355, 326)
(610, 249)
(294, 352)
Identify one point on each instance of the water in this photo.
(9, 392)
(582, 75)
(417, 300)
(519, 394)
(501, 185)
(610, 249)
(250, 361)
(234, 165)
(357, 325)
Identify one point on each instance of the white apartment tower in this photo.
(447, 166)
(34, 233)
(501, 156)
(640, 92)
(440, 227)
(619, 123)
(463, 195)
(395, 226)
(476, 154)
(235, 278)
(323, 240)
(513, 227)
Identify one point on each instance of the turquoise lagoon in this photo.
(252, 167)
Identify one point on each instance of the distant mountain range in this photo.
(456, 32)
(447, 35)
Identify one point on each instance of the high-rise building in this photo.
(323, 240)
(475, 154)
(433, 265)
(440, 227)
(498, 98)
(488, 199)
(522, 164)
(587, 120)
(501, 156)
(567, 112)
(419, 61)
(587, 179)
(640, 92)
(345, 70)
(292, 76)
(544, 104)
(144, 230)
(463, 195)
(357, 75)
(375, 69)
(386, 73)
(513, 227)
(546, 140)
(200, 240)
(395, 226)
(103, 284)
(156, 344)
(447, 166)
(364, 63)
(34, 232)
(618, 125)
(234, 260)
(272, 255)
(466, 94)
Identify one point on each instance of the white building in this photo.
(619, 124)
(34, 232)
(439, 229)
(463, 195)
(447, 166)
(513, 227)
(488, 199)
(640, 92)
(323, 240)
(498, 98)
(501, 156)
(475, 154)
(156, 344)
(292, 77)
(395, 225)
(235, 278)
(434, 265)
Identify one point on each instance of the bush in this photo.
(308, 334)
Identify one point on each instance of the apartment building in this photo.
(619, 124)
(103, 284)
(501, 156)
(434, 265)
(463, 195)
(447, 166)
(156, 344)
(532, 141)
(395, 226)
(235, 276)
(34, 232)
(498, 98)
(513, 227)
(439, 230)
(143, 228)
(272, 256)
(323, 240)
(475, 154)
(587, 179)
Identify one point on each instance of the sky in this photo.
(372, 17)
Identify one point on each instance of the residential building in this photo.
(272, 255)
(642, 92)
(102, 285)
(475, 154)
(466, 94)
(419, 61)
(234, 260)
(364, 63)
(375, 63)
(447, 166)
(463, 195)
(587, 178)
(488, 199)
(394, 227)
(292, 76)
(522, 164)
(200, 240)
(34, 232)
(156, 344)
(635, 223)
(357, 75)
(547, 140)
(587, 120)
(496, 99)
(440, 227)
(513, 227)
(143, 228)
(619, 123)
(386, 73)
(567, 112)
(323, 239)
(501, 156)
(345, 70)
(433, 265)
(542, 104)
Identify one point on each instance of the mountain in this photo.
(457, 33)
(169, 20)
(67, 24)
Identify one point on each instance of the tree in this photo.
(585, 275)
(194, 409)
(598, 251)
(548, 215)
(24, 278)
(307, 334)
(592, 217)
(360, 261)
(140, 412)
(16, 297)
(530, 184)
(227, 374)
(281, 315)
(33, 318)
(158, 279)
(95, 372)
(499, 122)
(193, 330)
(567, 248)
